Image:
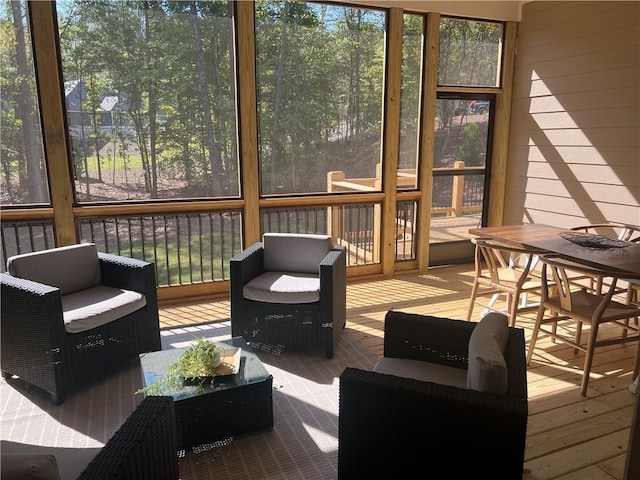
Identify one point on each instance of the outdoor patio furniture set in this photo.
(440, 380)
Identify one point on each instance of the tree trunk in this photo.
(95, 121)
(276, 108)
(25, 111)
(151, 174)
(214, 157)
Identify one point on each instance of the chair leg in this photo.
(633, 291)
(636, 363)
(588, 359)
(472, 302)
(534, 335)
(578, 337)
(513, 309)
(554, 328)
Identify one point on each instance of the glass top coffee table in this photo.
(225, 407)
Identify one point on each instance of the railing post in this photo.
(458, 190)
(377, 216)
(333, 216)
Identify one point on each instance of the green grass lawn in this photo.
(133, 162)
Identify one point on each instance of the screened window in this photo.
(320, 90)
(150, 98)
(461, 158)
(412, 41)
(23, 179)
(470, 52)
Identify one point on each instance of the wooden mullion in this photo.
(391, 136)
(248, 122)
(48, 72)
(427, 139)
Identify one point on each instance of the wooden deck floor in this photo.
(569, 436)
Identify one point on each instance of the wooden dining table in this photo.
(623, 261)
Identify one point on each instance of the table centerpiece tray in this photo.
(229, 366)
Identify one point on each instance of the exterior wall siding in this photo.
(574, 149)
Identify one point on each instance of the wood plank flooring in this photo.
(569, 436)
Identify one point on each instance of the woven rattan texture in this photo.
(37, 348)
(303, 443)
(294, 326)
(409, 419)
(143, 448)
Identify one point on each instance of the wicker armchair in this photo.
(290, 291)
(392, 426)
(143, 448)
(38, 343)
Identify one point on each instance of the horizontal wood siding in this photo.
(576, 104)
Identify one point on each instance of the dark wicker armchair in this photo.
(392, 427)
(288, 309)
(38, 343)
(143, 448)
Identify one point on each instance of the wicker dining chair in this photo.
(564, 301)
(504, 271)
(619, 231)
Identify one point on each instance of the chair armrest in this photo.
(32, 321)
(144, 447)
(515, 358)
(127, 273)
(333, 281)
(427, 338)
(333, 296)
(334, 260)
(30, 306)
(383, 417)
(244, 267)
(29, 287)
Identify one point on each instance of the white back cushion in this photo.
(295, 252)
(487, 370)
(71, 268)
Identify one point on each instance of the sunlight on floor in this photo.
(326, 443)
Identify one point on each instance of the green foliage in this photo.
(469, 52)
(472, 146)
(194, 364)
(172, 66)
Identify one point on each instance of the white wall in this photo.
(574, 151)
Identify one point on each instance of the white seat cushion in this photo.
(423, 371)
(97, 306)
(283, 287)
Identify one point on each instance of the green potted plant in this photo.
(195, 366)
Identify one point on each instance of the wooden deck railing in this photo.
(407, 178)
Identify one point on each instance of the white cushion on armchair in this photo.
(423, 371)
(292, 269)
(283, 287)
(487, 368)
(487, 371)
(292, 252)
(75, 270)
